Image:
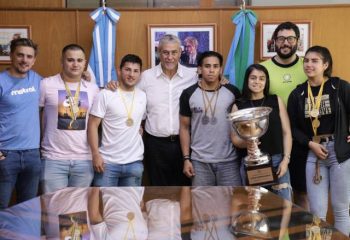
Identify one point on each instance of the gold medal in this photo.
(315, 123)
(316, 139)
(129, 122)
(73, 105)
(130, 216)
(314, 113)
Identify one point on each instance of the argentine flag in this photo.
(102, 57)
(241, 53)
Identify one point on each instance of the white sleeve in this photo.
(141, 83)
(42, 92)
(100, 104)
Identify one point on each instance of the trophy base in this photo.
(259, 171)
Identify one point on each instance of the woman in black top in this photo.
(277, 140)
(319, 110)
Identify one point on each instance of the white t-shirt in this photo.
(121, 144)
(60, 142)
(118, 203)
(163, 98)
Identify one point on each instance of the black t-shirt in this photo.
(327, 110)
(272, 140)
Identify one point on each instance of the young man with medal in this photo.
(118, 161)
(66, 99)
(19, 124)
(319, 111)
(209, 156)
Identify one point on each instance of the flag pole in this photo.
(243, 5)
(103, 4)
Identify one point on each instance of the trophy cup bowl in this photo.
(250, 124)
(250, 221)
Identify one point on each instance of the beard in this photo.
(293, 50)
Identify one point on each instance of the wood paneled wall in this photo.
(54, 28)
(32, 3)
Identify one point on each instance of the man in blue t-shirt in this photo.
(19, 124)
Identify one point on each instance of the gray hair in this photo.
(168, 38)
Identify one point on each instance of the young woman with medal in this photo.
(277, 141)
(319, 111)
(209, 157)
(66, 99)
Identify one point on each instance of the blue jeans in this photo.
(285, 193)
(334, 179)
(21, 170)
(120, 175)
(58, 174)
(216, 174)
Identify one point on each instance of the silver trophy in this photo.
(250, 124)
(250, 221)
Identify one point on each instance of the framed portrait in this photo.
(267, 46)
(195, 39)
(7, 34)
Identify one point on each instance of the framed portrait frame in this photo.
(7, 34)
(267, 49)
(205, 34)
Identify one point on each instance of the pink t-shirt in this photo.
(61, 141)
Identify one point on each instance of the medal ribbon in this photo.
(209, 101)
(315, 123)
(210, 228)
(128, 110)
(75, 101)
(312, 105)
(130, 226)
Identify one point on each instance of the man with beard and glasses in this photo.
(286, 72)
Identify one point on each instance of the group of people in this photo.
(176, 120)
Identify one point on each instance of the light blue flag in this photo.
(102, 56)
(241, 53)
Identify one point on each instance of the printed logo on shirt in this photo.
(23, 91)
(287, 78)
(74, 226)
(64, 121)
(197, 110)
(325, 107)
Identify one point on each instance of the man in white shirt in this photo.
(163, 85)
(118, 162)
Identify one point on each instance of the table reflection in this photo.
(162, 213)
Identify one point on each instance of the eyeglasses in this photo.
(290, 39)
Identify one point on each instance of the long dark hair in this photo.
(246, 92)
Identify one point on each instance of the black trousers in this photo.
(164, 162)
